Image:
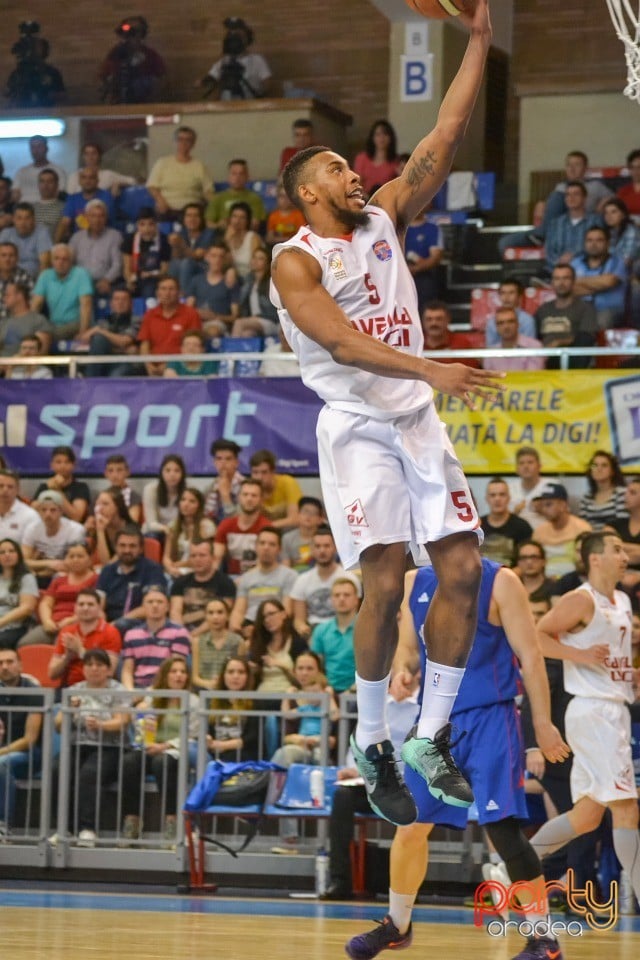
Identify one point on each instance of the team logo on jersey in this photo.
(337, 266)
(356, 517)
(492, 805)
(424, 597)
(382, 250)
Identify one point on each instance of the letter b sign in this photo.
(415, 79)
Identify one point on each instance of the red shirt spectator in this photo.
(238, 543)
(90, 632)
(164, 326)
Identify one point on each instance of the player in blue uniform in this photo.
(490, 753)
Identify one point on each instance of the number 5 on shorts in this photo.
(462, 505)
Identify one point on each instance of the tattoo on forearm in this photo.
(420, 168)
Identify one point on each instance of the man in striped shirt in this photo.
(152, 641)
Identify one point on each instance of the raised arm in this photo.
(430, 162)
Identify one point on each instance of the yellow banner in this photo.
(566, 414)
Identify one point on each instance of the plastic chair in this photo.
(35, 661)
(241, 368)
(131, 202)
(484, 303)
(152, 549)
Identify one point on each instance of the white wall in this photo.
(62, 150)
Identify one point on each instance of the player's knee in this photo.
(384, 593)
(625, 814)
(521, 860)
(459, 574)
(412, 836)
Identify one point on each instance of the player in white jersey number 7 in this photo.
(390, 478)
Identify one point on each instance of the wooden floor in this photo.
(192, 929)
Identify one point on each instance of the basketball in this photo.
(441, 9)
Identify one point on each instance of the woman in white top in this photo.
(107, 179)
(241, 241)
(190, 524)
(18, 594)
(160, 497)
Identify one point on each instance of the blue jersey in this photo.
(492, 674)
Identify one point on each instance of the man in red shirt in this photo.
(90, 632)
(437, 336)
(235, 539)
(163, 326)
(302, 138)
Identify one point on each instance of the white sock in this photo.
(626, 843)
(400, 907)
(441, 685)
(372, 724)
(495, 858)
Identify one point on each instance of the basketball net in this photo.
(627, 27)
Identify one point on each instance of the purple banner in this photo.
(146, 419)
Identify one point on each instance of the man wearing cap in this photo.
(45, 541)
(559, 530)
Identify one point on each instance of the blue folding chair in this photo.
(240, 368)
(295, 799)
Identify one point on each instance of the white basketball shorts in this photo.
(599, 733)
(391, 481)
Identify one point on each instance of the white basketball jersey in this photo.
(367, 276)
(611, 625)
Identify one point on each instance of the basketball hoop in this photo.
(627, 27)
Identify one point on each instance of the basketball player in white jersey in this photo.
(390, 478)
(590, 631)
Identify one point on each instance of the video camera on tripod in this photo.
(33, 83)
(237, 40)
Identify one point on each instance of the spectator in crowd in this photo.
(273, 649)
(110, 516)
(191, 592)
(18, 596)
(163, 326)
(629, 193)
(10, 272)
(97, 248)
(21, 321)
(510, 338)
(67, 291)
(20, 749)
(249, 82)
(524, 488)
(311, 592)
(258, 316)
(25, 182)
(285, 221)
(160, 758)
(74, 493)
(221, 204)
(297, 549)
(15, 515)
(378, 162)
(215, 293)
(269, 578)
(437, 336)
(99, 731)
(121, 582)
(559, 530)
(628, 527)
(190, 524)
(302, 135)
(115, 334)
(145, 255)
(56, 609)
(117, 472)
(111, 180)
(604, 503)
(602, 278)
(423, 249)
(530, 563)
(235, 539)
(281, 492)
(566, 234)
(567, 321)
(74, 213)
(179, 179)
(302, 740)
(88, 631)
(234, 737)
(152, 641)
(189, 244)
(47, 209)
(213, 644)
(30, 346)
(624, 237)
(502, 529)
(241, 240)
(194, 343)
(160, 497)
(510, 293)
(32, 242)
(221, 497)
(333, 640)
(7, 205)
(45, 541)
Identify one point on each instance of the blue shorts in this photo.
(491, 757)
